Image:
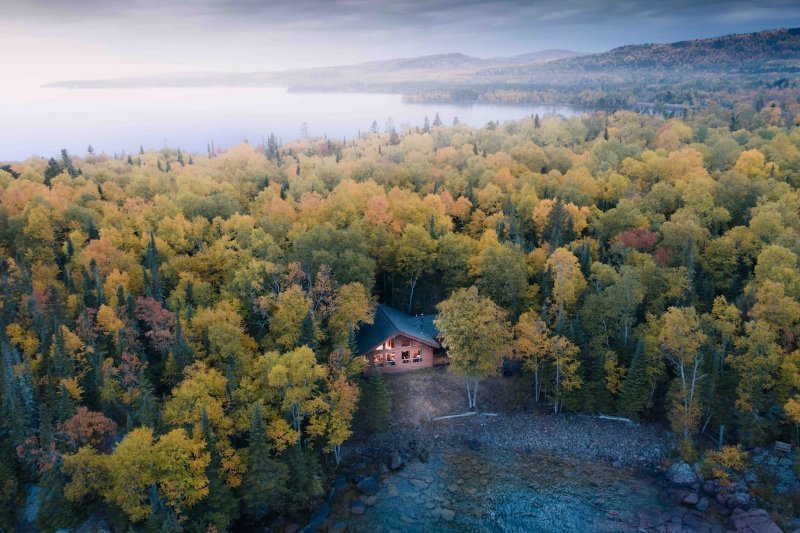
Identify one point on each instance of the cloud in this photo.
(163, 35)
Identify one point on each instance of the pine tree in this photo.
(141, 150)
(456, 121)
(53, 169)
(635, 393)
(426, 125)
(308, 332)
(218, 510)
(437, 121)
(67, 162)
(91, 230)
(180, 157)
(130, 161)
(375, 404)
(559, 227)
(151, 263)
(536, 122)
(264, 486)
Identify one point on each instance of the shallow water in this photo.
(466, 490)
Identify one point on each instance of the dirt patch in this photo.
(418, 397)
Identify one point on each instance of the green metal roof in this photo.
(390, 322)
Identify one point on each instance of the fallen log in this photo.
(471, 413)
(617, 419)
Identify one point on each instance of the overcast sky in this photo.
(79, 39)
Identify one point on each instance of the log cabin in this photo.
(397, 342)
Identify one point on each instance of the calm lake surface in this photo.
(37, 121)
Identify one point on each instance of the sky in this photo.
(52, 40)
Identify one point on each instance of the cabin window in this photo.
(388, 345)
(406, 342)
(378, 359)
(405, 356)
(417, 356)
(390, 358)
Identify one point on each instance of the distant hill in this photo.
(743, 50)
(547, 55)
(771, 51)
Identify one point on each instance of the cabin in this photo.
(398, 342)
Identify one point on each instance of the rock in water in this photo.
(358, 507)
(396, 462)
(368, 485)
(755, 521)
(681, 474)
(338, 527)
(319, 517)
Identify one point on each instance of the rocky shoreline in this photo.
(583, 436)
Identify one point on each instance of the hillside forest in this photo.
(178, 329)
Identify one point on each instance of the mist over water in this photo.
(38, 121)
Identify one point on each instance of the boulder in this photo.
(357, 507)
(681, 474)
(338, 527)
(368, 485)
(702, 505)
(691, 498)
(753, 521)
(396, 461)
(319, 517)
(447, 514)
(340, 482)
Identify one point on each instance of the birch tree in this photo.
(680, 340)
(477, 335)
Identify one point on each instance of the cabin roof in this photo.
(390, 322)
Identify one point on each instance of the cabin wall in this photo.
(381, 357)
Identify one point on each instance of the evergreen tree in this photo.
(375, 404)
(218, 510)
(53, 169)
(559, 227)
(90, 150)
(91, 230)
(180, 158)
(536, 122)
(308, 332)
(437, 121)
(426, 125)
(264, 486)
(635, 389)
(67, 162)
(150, 264)
(130, 161)
(456, 121)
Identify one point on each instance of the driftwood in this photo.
(782, 447)
(617, 419)
(471, 413)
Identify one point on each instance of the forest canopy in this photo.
(178, 329)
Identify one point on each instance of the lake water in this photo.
(464, 490)
(37, 121)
